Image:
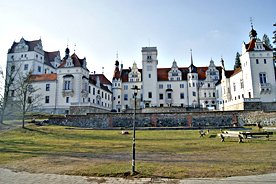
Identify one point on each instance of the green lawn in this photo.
(159, 153)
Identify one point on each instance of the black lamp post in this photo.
(135, 88)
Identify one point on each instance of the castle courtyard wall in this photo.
(168, 119)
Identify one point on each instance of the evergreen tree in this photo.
(267, 41)
(237, 61)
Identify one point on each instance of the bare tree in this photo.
(2, 79)
(6, 86)
(27, 96)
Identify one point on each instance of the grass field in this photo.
(165, 153)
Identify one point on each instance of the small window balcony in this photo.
(265, 88)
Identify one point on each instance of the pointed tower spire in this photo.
(252, 33)
(191, 57)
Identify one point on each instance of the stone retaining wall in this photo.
(188, 119)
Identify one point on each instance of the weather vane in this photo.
(251, 22)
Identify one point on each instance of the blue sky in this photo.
(101, 28)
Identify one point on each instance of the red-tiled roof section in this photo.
(236, 71)
(31, 45)
(251, 45)
(102, 78)
(162, 73)
(228, 73)
(44, 77)
(124, 75)
(76, 61)
(116, 74)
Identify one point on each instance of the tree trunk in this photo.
(23, 120)
(1, 118)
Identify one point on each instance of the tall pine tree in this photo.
(267, 41)
(237, 61)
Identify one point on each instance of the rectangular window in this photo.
(67, 99)
(150, 95)
(234, 86)
(93, 91)
(262, 78)
(67, 85)
(193, 84)
(169, 86)
(47, 99)
(181, 85)
(241, 83)
(160, 86)
(264, 61)
(125, 87)
(169, 95)
(89, 89)
(39, 68)
(47, 87)
(181, 95)
(149, 75)
(125, 97)
(194, 93)
(26, 67)
(257, 61)
(161, 96)
(161, 105)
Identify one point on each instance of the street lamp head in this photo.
(135, 88)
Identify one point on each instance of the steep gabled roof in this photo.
(76, 61)
(102, 78)
(103, 81)
(251, 45)
(31, 45)
(44, 77)
(49, 57)
(116, 74)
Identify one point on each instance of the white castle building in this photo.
(66, 82)
(62, 82)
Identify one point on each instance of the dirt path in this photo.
(9, 177)
(9, 125)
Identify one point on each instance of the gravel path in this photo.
(9, 177)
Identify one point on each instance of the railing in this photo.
(89, 104)
(252, 99)
(265, 85)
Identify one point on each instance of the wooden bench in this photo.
(270, 129)
(266, 134)
(229, 135)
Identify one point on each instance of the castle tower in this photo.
(258, 69)
(192, 79)
(117, 88)
(149, 68)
